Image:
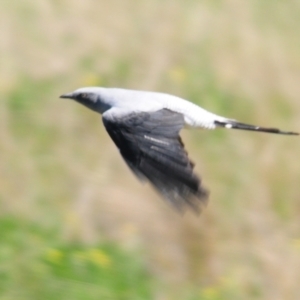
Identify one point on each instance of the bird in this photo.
(145, 127)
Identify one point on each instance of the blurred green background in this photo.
(75, 223)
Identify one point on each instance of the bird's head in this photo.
(89, 97)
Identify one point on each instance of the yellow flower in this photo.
(54, 256)
(210, 293)
(99, 257)
(91, 80)
(178, 75)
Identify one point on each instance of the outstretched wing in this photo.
(150, 144)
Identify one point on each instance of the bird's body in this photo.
(125, 101)
(145, 127)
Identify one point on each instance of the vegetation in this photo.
(35, 266)
(76, 224)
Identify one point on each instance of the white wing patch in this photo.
(155, 140)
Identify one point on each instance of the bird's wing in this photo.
(151, 146)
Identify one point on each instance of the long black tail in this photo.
(236, 125)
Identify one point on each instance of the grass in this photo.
(67, 201)
(36, 264)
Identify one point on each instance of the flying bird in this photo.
(145, 127)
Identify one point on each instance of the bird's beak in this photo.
(67, 96)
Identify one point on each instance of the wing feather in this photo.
(151, 146)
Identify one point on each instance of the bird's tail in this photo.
(237, 125)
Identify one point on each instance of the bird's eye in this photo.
(84, 95)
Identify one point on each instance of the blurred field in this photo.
(67, 200)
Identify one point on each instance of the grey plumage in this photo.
(145, 127)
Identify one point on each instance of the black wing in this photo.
(151, 146)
